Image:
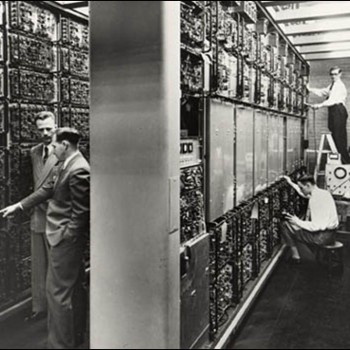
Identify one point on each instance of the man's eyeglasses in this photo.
(334, 74)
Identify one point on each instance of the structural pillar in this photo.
(135, 131)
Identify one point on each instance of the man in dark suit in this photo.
(43, 163)
(67, 228)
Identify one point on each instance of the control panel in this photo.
(33, 53)
(189, 153)
(32, 19)
(74, 34)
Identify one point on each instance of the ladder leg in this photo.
(332, 143)
(319, 156)
(321, 150)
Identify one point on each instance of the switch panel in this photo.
(74, 34)
(192, 25)
(192, 78)
(79, 92)
(20, 170)
(75, 62)
(75, 91)
(29, 18)
(189, 153)
(34, 86)
(32, 53)
(191, 203)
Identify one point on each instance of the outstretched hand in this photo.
(9, 210)
(315, 106)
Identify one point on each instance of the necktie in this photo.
(46, 154)
(308, 213)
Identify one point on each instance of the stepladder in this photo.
(333, 157)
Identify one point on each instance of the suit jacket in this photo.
(41, 173)
(68, 212)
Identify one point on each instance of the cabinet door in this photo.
(260, 151)
(220, 159)
(194, 291)
(281, 145)
(291, 144)
(273, 147)
(244, 153)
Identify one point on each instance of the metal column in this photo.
(135, 80)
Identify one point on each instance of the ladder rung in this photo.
(317, 151)
(322, 152)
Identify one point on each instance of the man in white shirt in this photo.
(321, 220)
(336, 94)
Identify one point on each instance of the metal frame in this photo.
(317, 28)
(322, 38)
(336, 47)
(327, 55)
(53, 5)
(280, 3)
(75, 5)
(301, 15)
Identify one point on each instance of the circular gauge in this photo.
(340, 173)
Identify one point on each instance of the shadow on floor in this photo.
(17, 334)
(302, 307)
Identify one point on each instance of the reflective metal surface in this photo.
(221, 159)
(244, 153)
(260, 150)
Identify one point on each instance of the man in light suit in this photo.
(43, 163)
(67, 231)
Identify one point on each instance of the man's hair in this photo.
(307, 178)
(44, 115)
(68, 134)
(335, 68)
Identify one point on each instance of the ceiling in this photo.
(78, 6)
(319, 29)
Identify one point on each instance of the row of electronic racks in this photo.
(243, 117)
(44, 55)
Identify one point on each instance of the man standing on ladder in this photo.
(336, 94)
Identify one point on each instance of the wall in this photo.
(320, 78)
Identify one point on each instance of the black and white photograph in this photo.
(174, 175)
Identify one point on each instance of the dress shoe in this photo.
(35, 316)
